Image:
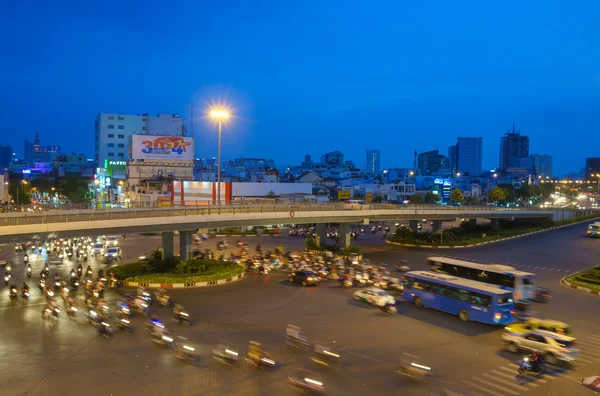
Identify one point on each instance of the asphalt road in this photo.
(66, 357)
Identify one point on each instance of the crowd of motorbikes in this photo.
(77, 249)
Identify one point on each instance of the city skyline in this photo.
(408, 94)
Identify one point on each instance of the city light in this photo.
(220, 114)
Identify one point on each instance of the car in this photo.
(98, 248)
(305, 278)
(112, 241)
(553, 326)
(113, 253)
(374, 296)
(553, 347)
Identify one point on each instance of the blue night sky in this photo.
(310, 76)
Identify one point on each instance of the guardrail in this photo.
(15, 219)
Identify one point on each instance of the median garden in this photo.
(311, 244)
(589, 278)
(155, 269)
(467, 234)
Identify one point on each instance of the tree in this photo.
(471, 200)
(377, 199)
(42, 185)
(497, 194)
(431, 198)
(417, 198)
(271, 194)
(456, 196)
(19, 192)
(76, 190)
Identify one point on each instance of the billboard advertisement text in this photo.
(149, 147)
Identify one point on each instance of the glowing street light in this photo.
(220, 115)
(411, 173)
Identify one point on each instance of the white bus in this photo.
(353, 203)
(509, 278)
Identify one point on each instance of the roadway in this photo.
(67, 357)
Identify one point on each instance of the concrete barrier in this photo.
(184, 285)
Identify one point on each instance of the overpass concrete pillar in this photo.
(437, 225)
(321, 231)
(344, 235)
(494, 223)
(472, 222)
(413, 225)
(185, 244)
(167, 243)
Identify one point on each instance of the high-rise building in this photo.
(114, 131)
(6, 155)
(468, 153)
(453, 158)
(333, 158)
(592, 166)
(34, 152)
(431, 162)
(541, 165)
(373, 161)
(513, 147)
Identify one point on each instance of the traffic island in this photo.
(587, 281)
(500, 235)
(174, 273)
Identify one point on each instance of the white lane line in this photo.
(535, 267)
(595, 353)
(544, 268)
(585, 360)
(496, 386)
(514, 378)
(550, 269)
(594, 336)
(541, 381)
(362, 356)
(481, 388)
(589, 342)
(502, 381)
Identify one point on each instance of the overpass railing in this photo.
(66, 216)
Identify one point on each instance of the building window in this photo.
(111, 135)
(143, 128)
(121, 127)
(121, 155)
(121, 145)
(121, 136)
(111, 126)
(111, 117)
(111, 154)
(144, 119)
(121, 118)
(111, 145)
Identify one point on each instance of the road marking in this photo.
(526, 376)
(504, 382)
(586, 360)
(513, 377)
(586, 341)
(594, 336)
(550, 269)
(544, 268)
(22, 306)
(535, 267)
(481, 388)
(496, 386)
(362, 356)
(595, 354)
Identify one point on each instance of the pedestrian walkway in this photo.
(505, 381)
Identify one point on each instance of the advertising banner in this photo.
(150, 147)
(344, 194)
(369, 197)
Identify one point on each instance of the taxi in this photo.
(533, 324)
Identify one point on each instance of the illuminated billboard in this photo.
(151, 147)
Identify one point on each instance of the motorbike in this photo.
(164, 339)
(225, 355)
(389, 309)
(85, 258)
(25, 294)
(47, 313)
(71, 311)
(25, 259)
(105, 330)
(526, 366)
(13, 294)
(183, 318)
(79, 272)
(307, 385)
(326, 357)
(28, 272)
(122, 324)
(541, 295)
(184, 352)
(7, 279)
(300, 343)
(265, 362)
(415, 371)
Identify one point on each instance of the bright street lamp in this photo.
(220, 115)
(404, 187)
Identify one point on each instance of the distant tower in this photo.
(415, 161)
(36, 141)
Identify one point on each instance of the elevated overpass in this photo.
(16, 227)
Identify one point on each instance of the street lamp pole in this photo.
(404, 186)
(219, 166)
(220, 115)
